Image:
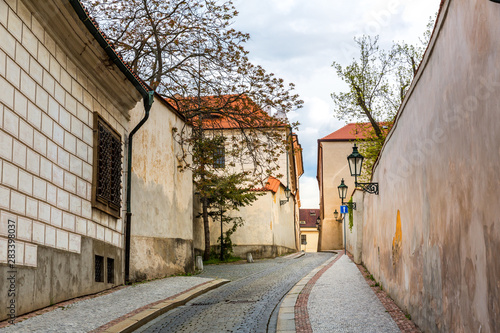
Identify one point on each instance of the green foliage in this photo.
(215, 260)
(188, 52)
(377, 85)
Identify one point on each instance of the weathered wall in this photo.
(334, 168)
(162, 198)
(52, 77)
(354, 236)
(432, 236)
(268, 230)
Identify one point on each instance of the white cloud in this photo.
(309, 192)
(299, 40)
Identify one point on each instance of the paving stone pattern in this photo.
(341, 301)
(244, 305)
(89, 314)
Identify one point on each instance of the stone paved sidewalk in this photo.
(91, 314)
(341, 301)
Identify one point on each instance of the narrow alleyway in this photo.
(247, 304)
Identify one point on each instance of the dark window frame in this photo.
(98, 268)
(110, 270)
(303, 239)
(107, 168)
(220, 157)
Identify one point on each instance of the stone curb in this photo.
(286, 314)
(131, 324)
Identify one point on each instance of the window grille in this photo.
(111, 270)
(303, 239)
(220, 157)
(107, 168)
(99, 268)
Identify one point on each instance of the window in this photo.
(303, 239)
(106, 187)
(312, 213)
(220, 157)
(302, 222)
(111, 270)
(99, 268)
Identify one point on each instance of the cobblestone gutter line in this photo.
(293, 316)
(139, 317)
(404, 324)
(302, 323)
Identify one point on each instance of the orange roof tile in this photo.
(227, 112)
(273, 185)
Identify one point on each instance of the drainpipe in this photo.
(146, 93)
(148, 101)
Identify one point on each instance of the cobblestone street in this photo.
(247, 304)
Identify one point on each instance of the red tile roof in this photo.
(273, 185)
(306, 215)
(349, 132)
(226, 112)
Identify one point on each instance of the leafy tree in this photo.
(228, 193)
(188, 52)
(377, 84)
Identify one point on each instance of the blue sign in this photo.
(343, 209)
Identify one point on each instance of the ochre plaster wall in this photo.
(312, 237)
(162, 198)
(432, 236)
(335, 167)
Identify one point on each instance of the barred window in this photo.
(99, 268)
(303, 239)
(220, 157)
(107, 168)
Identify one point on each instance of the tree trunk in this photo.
(206, 226)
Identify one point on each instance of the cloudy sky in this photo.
(299, 39)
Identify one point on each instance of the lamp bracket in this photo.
(282, 202)
(351, 204)
(368, 187)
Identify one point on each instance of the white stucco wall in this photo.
(162, 197)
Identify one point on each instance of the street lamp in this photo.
(355, 164)
(336, 216)
(287, 195)
(342, 190)
(342, 194)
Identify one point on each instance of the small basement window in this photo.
(111, 270)
(99, 268)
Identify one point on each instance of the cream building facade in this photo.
(309, 229)
(332, 167)
(68, 105)
(271, 224)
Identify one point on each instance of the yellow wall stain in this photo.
(397, 241)
(271, 224)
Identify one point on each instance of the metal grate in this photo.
(111, 270)
(109, 167)
(99, 269)
(220, 157)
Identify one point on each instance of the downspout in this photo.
(148, 101)
(148, 98)
(297, 244)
